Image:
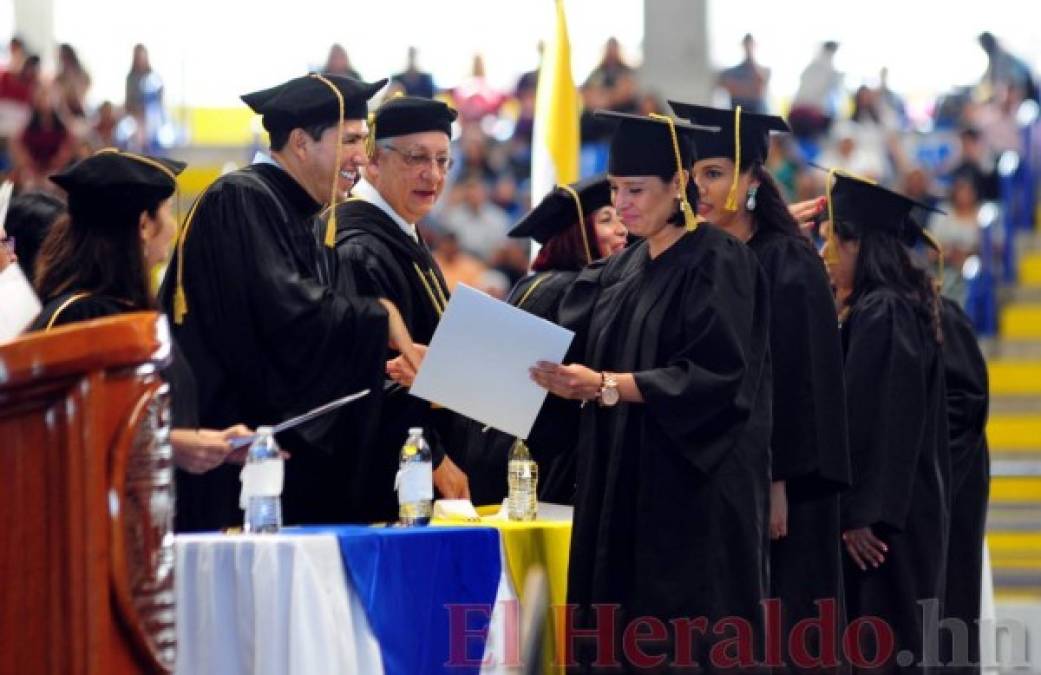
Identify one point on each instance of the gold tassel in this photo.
(370, 140)
(690, 221)
(581, 222)
(731, 203)
(330, 226)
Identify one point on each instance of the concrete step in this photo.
(1015, 405)
(1030, 268)
(1023, 490)
(1011, 349)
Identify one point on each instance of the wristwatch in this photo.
(608, 390)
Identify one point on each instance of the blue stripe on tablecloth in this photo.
(409, 579)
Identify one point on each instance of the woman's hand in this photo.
(864, 547)
(199, 450)
(573, 381)
(400, 369)
(778, 510)
(805, 212)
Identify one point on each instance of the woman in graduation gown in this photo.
(575, 224)
(968, 400)
(95, 262)
(809, 445)
(896, 515)
(673, 454)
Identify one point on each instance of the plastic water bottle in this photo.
(415, 481)
(262, 478)
(523, 482)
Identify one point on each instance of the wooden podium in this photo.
(86, 500)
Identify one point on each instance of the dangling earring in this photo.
(750, 201)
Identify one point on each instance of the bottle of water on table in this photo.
(415, 481)
(262, 479)
(523, 482)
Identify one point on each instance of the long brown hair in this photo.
(84, 254)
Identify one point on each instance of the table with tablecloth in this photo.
(369, 600)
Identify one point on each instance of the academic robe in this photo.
(896, 403)
(375, 258)
(268, 338)
(672, 494)
(968, 398)
(810, 446)
(177, 373)
(553, 437)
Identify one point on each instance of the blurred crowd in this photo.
(945, 157)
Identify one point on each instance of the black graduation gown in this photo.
(268, 338)
(671, 501)
(553, 437)
(810, 447)
(900, 464)
(968, 398)
(184, 412)
(375, 258)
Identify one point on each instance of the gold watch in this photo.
(608, 390)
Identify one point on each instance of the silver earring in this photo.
(750, 201)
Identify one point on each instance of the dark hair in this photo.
(66, 51)
(280, 137)
(29, 219)
(100, 254)
(883, 261)
(771, 212)
(566, 251)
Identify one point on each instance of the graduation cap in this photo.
(866, 205)
(404, 115)
(558, 210)
(655, 145)
(114, 181)
(316, 99)
(741, 136)
(312, 99)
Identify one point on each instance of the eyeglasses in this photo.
(416, 160)
(8, 243)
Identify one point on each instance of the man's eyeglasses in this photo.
(416, 160)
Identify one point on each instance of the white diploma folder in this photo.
(477, 362)
(18, 303)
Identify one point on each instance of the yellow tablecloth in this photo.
(545, 543)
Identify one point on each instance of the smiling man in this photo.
(253, 310)
(380, 253)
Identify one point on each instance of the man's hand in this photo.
(399, 337)
(400, 369)
(450, 480)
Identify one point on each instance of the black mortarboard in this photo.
(752, 142)
(310, 99)
(565, 206)
(867, 205)
(403, 115)
(654, 145)
(734, 134)
(113, 182)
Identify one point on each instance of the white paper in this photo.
(261, 479)
(477, 362)
(18, 303)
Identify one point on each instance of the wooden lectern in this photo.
(86, 500)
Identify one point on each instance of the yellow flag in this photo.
(554, 145)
